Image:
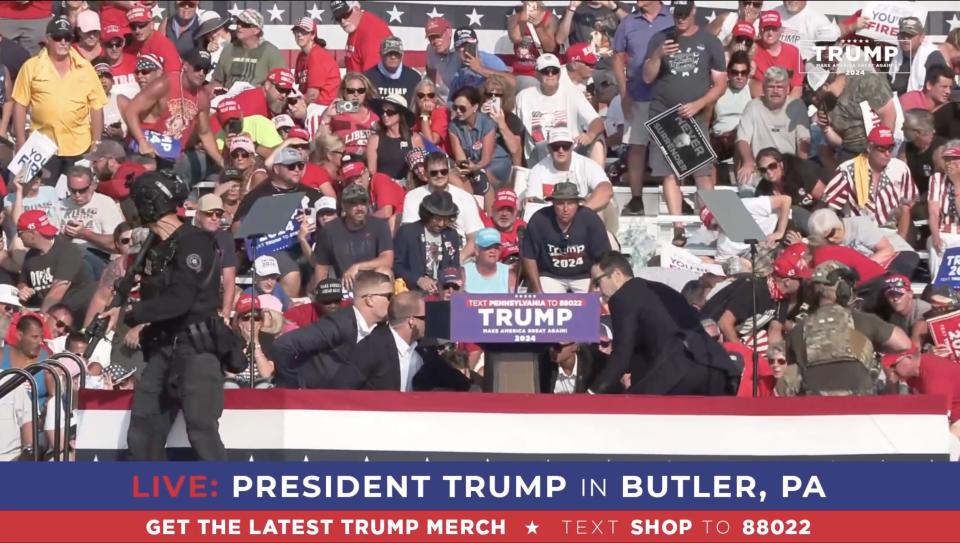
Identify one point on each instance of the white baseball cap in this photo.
(326, 202)
(558, 135)
(265, 266)
(548, 60)
(10, 295)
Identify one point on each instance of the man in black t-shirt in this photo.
(800, 179)
(354, 242)
(562, 242)
(285, 176)
(53, 270)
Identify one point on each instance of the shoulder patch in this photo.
(194, 262)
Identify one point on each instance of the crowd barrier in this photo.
(303, 425)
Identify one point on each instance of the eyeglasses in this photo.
(292, 100)
(242, 24)
(344, 16)
(60, 324)
(140, 26)
(430, 95)
(79, 191)
(740, 73)
(595, 281)
(460, 109)
(605, 344)
(493, 94)
(125, 241)
(757, 5)
(387, 295)
(772, 167)
(745, 41)
(439, 173)
(61, 38)
(145, 72)
(550, 71)
(451, 286)
(778, 361)
(247, 316)
(390, 112)
(215, 213)
(295, 166)
(354, 90)
(199, 69)
(7, 308)
(883, 148)
(561, 146)
(239, 154)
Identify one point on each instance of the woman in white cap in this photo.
(388, 146)
(88, 35)
(243, 157)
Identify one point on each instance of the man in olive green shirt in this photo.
(249, 58)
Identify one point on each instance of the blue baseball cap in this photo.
(488, 237)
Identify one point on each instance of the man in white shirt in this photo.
(89, 218)
(562, 164)
(553, 105)
(468, 220)
(800, 26)
(16, 426)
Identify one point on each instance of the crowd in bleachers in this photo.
(482, 174)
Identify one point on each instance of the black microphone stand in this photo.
(753, 293)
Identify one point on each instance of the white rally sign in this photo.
(885, 19)
(36, 151)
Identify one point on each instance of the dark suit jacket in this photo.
(374, 363)
(651, 321)
(307, 357)
(409, 252)
(590, 362)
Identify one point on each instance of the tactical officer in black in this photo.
(179, 298)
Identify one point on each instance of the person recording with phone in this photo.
(433, 117)
(473, 139)
(498, 104)
(475, 65)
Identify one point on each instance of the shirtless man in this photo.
(174, 104)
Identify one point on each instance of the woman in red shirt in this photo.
(317, 73)
(349, 117)
(432, 115)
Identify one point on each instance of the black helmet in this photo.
(156, 194)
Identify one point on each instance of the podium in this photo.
(513, 330)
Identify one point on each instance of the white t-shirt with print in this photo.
(101, 214)
(583, 172)
(800, 29)
(540, 114)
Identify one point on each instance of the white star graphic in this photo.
(276, 14)
(315, 12)
(235, 11)
(532, 528)
(306, 458)
(251, 458)
(711, 17)
(954, 23)
(434, 13)
(394, 14)
(474, 18)
(157, 12)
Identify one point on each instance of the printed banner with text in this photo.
(496, 502)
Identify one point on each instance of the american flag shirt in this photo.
(941, 192)
(893, 189)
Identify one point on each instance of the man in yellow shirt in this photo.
(65, 99)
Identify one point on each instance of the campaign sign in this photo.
(682, 142)
(167, 147)
(949, 272)
(525, 318)
(36, 151)
(945, 330)
(885, 18)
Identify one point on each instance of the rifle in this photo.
(121, 294)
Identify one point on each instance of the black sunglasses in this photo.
(768, 168)
(145, 72)
(493, 94)
(198, 69)
(354, 90)
(79, 191)
(61, 38)
(125, 241)
(550, 71)
(460, 109)
(114, 44)
(242, 24)
(742, 73)
(218, 213)
(390, 112)
(239, 154)
(562, 146)
(256, 316)
(139, 26)
(423, 95)
(439, 173)
(295, 166)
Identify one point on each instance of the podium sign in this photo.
(525, 318)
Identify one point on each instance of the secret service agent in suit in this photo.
(388, 358)
(657, 337)
(580, 363)
(437, 214)
(308, 357)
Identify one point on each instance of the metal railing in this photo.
(11, 380)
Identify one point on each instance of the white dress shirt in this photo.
(363, 329)
(410, 361)
(566, 384)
